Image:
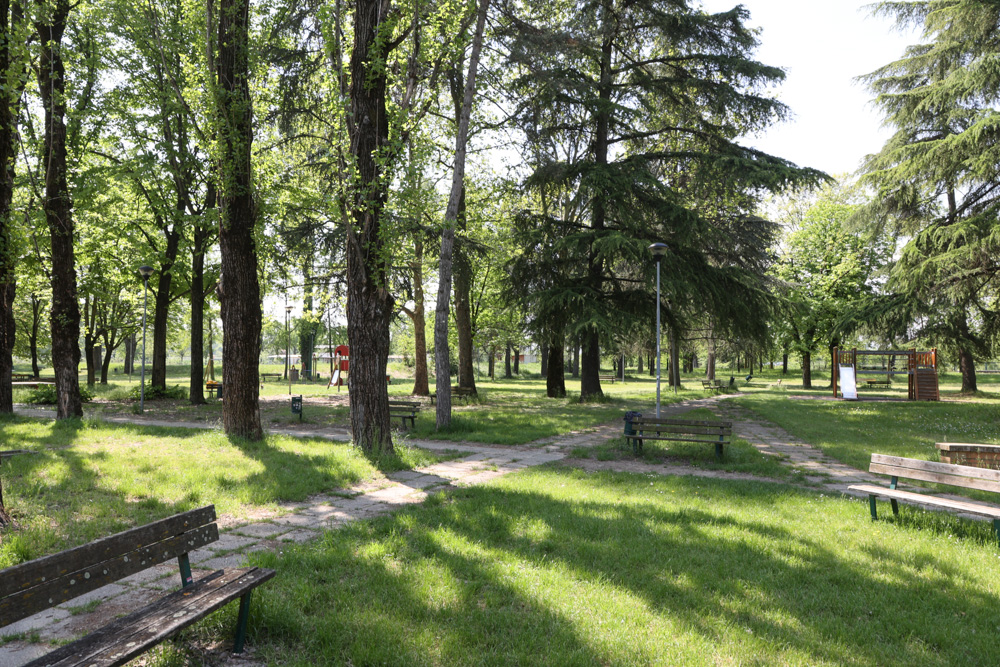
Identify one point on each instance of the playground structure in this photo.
(919, 367)
(341, 366)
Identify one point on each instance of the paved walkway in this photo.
(300, 522)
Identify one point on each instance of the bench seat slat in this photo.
(130, 636)
(671, 439)
(935, 501)
(938, 478)
(59, 589)
(32, 573)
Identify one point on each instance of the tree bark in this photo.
(239, 290)
(506, 366)
(555, 379)
(90, 339)
(369, 303)
(421, 385)
(492, 364)
(967, 366)
(202, 235)
(590, 358)
(784, 363)
(65, 313)
(517, 361)
(161, 305)
(463, 307)
(9, 107)
(441, 352)
(807, 370)
(544, 353)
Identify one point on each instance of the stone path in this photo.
(300, 522)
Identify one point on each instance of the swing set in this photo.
(919, 367)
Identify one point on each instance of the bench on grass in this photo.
(717, 385)
(212, 386)
(878, 383)
(456, 392)
(41, 584)
(264, 377)
(404, 410)
(966, 477)
(607, 378)
(639, 429)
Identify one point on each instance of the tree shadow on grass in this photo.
(501, 576)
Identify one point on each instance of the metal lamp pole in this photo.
(146, 272)
(288, 348)
(658, 250)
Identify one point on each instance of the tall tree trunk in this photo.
(784, 363)
(202, 234)
(129, 353)
(161, 306)
(493, 359)
(675, 371)
(90, 339)
(239, 290)
(369, 303)
(307, 325)
(442, 361)
(807, 370)
(544, 353)
(555, 379)
(517, 361)
(9, 108)
(65, 314)
(639, 363)
(463, 306)
(967, 366)
(506, 365)
(421, 386)
(590, 358)
(106, 364)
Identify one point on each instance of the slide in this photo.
(335, 378)
(848, 383)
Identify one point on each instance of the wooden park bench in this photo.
(966, 477)
(404, 410)
(212, 386)
(273, 376)
(874, 382)
(41, 584)
(607, 378)
(716, 385)
(456, 392)
(639, 429)
(22, 376)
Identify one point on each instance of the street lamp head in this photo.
(658, 250)
(288, 309)
(145, 271)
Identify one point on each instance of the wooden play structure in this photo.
(919, 367)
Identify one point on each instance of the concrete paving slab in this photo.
(34, 623)
(260, 530)
(229, 541)
(102, 593)
(18, 654)
(299, 536)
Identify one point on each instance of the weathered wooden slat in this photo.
(57, 590)
(937, 467)
(130, 636)
(681, 422)
(938, 478)
(693, 430)
(657, 437)
(934, 501)
(34, 572)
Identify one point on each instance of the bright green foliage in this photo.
(827, 270)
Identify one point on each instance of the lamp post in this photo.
(658, 250)
(288, 347)
(145, 272)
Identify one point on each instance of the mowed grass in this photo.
(851, 431)
(557, 566)
(88, 479)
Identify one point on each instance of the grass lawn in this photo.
(850, 431)
(89, 479)
(558, 566)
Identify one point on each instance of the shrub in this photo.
(153, 393)
(46, 395)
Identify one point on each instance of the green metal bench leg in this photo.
(718, 451)
(241, 624)
(874, 509)
(895, 506)
(185, 565)
(996, 529)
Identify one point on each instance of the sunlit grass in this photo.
(555, 566)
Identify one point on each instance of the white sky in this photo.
(823, 45)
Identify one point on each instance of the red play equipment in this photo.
(341, 365)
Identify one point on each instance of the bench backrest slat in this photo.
(692, 430)
(969, 477)
(681, 422)
(42, 583)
